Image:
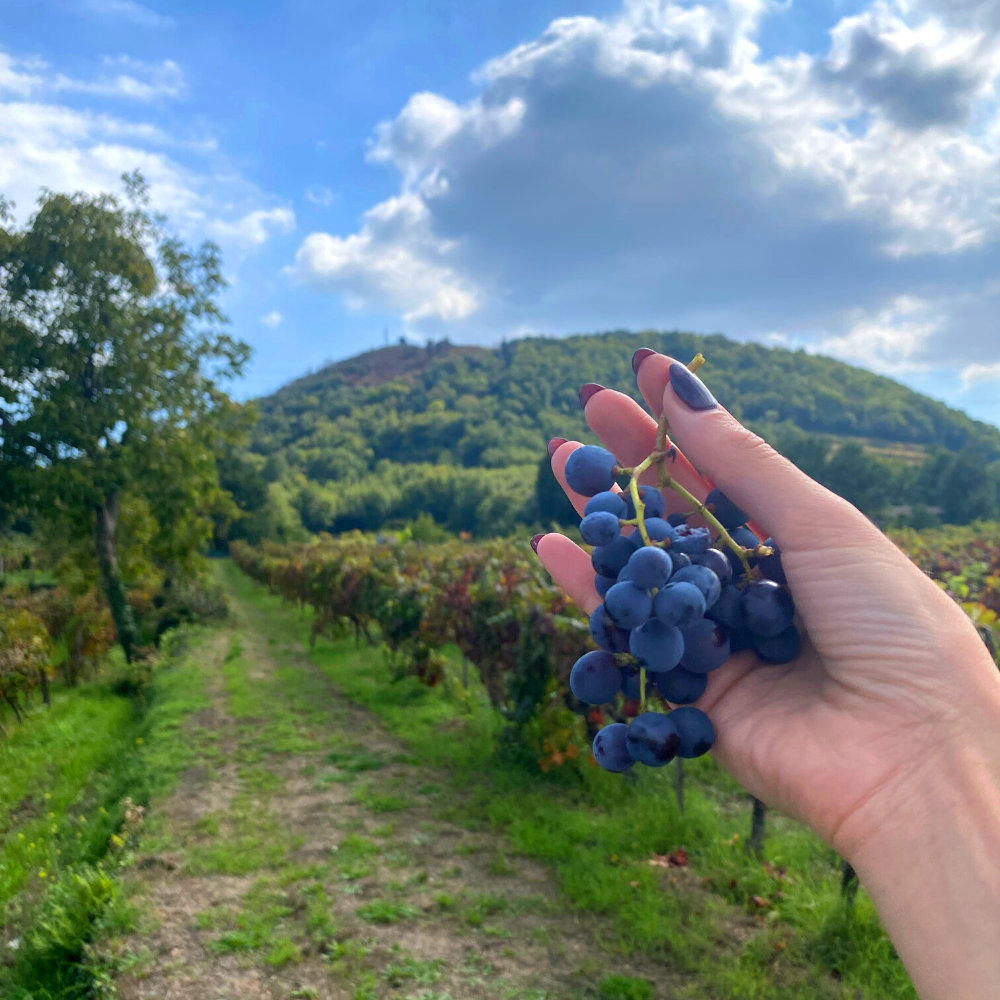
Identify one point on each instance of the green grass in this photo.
(65, 777)
(601, 831)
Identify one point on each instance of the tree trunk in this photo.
(105, 526)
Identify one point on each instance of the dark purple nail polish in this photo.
(639, 357)
(690, 389)
(534, 542)
(590, 390)
(553, 444)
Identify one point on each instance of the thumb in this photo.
(796, 510)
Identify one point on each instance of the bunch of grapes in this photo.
(678, 599)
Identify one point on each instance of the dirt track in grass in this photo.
(307, 855)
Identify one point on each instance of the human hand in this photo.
(891, 670)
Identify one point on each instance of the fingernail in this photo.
(639, 357)
(553, 444)
(690, 389)
(534, 542)
(590, 390)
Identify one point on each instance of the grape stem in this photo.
(659, 456)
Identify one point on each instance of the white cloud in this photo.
(322, 196)
(272, 320)
(126, 10)
(975, 373)
(256, 227)
(653, 168)
(394, 260)
(122, 77)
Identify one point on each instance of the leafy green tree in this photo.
(111, 353)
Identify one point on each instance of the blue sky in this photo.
(813, 174)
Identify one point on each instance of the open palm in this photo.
(888, 659)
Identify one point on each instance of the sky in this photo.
(822, 174)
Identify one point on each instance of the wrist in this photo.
(926, 850)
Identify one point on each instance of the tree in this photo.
(111, 353)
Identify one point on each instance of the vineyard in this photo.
(495, 603)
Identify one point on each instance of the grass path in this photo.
(306, 853)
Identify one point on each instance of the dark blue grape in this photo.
(606, 633)
(650, 567)
(631, 686)
(770, 566)
(628, 605)
(746, 538)
(679, 560)
(703, 578)
(591, 469)
(780, 648)
(656, 646)
(716, 561)
(706, 647)
(768, 608)
(740, 639)
(697, 734)
(654, 501)
(611, 748)
(595, 678)
(609, 560)
(725, 511)
(612, 503)
(679, 605)
(599, 528)
(652, 739)
(692, 541)
(680, 686)
(659, 530)
(728, 609)
(602, 583)
(676, 520)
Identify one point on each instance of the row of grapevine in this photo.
(496, 603)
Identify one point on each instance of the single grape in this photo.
(654, 501)
(771, 566)
(595, 678)
(679, 605)
(741, 638)
(746, 538)
(603, 583)
(692, 541)
(599, 528)
(606, 633)
(768, 607)
(631, 686)
(650, 567)
(660, 530)
(697, 734)
(611, 748)
(780, 648)
(591, 469)
(656, 646)
(680, 686)
(676, 520)
(652, 739)
(628, 605)
(679, 560)
(716, 561)
(725, 511)
(703, 578)
(609, 501)
(706, 647)
(608, 560)
(728, 609)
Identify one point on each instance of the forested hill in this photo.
(347, 431)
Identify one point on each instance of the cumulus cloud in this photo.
(654, 168)
(272, 320)
(256, 227)
(978, 372)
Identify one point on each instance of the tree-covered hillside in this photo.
(459, 432)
